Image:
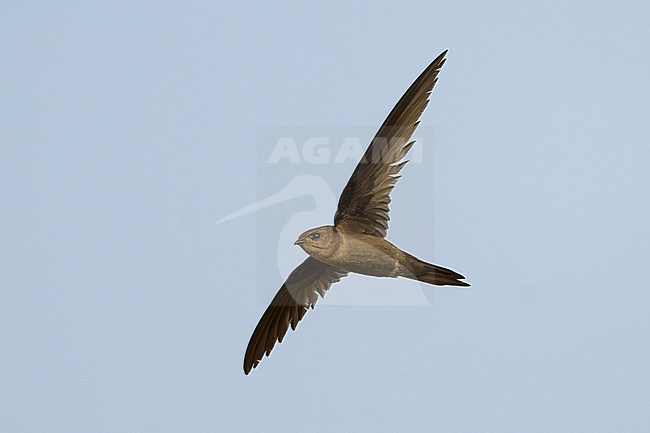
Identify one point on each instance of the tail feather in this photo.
(437, 275)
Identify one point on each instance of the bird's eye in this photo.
(314, 236)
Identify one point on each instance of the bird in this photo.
(356, 242)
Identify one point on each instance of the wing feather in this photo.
(364, 203)
(300, 292)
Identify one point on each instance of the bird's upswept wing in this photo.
(363, 206)
(300, 292)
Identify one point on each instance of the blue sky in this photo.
(130, 128)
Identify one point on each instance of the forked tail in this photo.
(434, 274)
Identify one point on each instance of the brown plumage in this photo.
(356, 242)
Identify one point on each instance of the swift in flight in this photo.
(357, 240)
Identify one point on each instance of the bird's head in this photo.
(318, 241)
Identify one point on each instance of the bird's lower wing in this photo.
(299, 293)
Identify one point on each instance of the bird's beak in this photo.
(299, 242)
